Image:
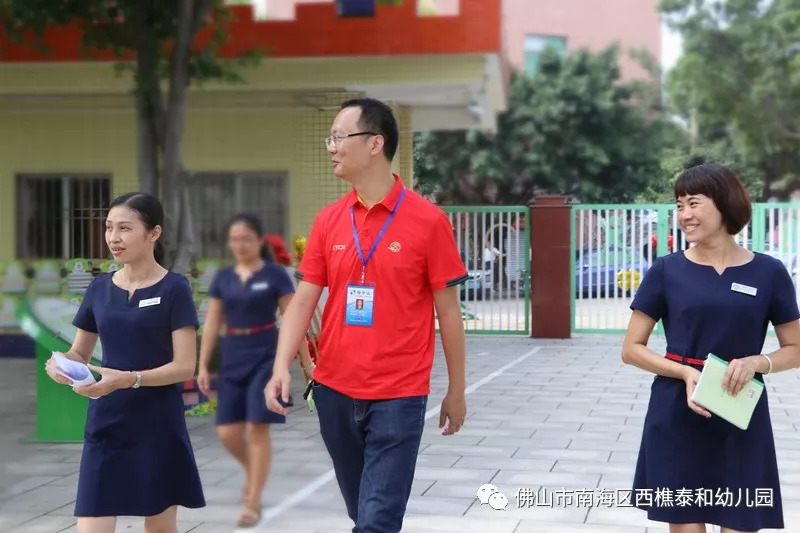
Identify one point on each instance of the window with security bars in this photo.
(217, 196)
(61, 216)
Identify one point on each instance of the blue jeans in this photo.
(374, 446)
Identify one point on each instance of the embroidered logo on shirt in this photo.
(394, 247)
(262, 286)
(338, 247)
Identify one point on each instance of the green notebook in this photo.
(709, 394)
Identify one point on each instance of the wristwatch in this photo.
(138, 382)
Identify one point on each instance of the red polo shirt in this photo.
(416, 256)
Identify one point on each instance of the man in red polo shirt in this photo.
(388, 258)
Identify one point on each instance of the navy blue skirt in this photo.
(246, 367)
(692, 469)
(137, 457)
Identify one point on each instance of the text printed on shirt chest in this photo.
(392, 245)
(260, 286)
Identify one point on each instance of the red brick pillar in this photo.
(550, 267)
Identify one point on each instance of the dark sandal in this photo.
(250, 517)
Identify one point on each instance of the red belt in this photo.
(249, 331)
(689, 360)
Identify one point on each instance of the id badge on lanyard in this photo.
(360, 302)
(360, 305)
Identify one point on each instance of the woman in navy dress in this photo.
(246, 298)
(716, 297)
(137, 457)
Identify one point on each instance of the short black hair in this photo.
(150, 212)
(250, 220)
(721, 184)
(378, 118)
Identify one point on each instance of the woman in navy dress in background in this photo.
(246, 298)
(137, 457)
(716, 297)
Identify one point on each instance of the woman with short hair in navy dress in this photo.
(246, 298)
(137, 457)
(714, 298)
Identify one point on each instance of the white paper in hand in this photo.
(79, 373)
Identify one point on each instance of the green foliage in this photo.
(574, 129)
(128, 27)
(674, 161)
(739, 84)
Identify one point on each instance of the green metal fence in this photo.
(614, 245)
(495, 246)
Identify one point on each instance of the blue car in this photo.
(609, 272)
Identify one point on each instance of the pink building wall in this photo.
(585, 23)
(591, 23)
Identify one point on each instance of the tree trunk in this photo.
(146, 148)
(172, 172)
(186, 235)
(161, 127)
(147, 107)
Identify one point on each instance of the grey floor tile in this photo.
(455, 474)
(512, 463)
(569, 416)
(482, 451)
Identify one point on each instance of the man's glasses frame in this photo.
(336, 140)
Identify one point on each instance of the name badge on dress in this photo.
(360, 302)
(261, 286)
(150, 301)
(744, 289)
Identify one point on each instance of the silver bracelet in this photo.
(768, 361)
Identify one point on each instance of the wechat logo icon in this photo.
(489, 494)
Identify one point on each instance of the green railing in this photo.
(612, 248)
(497, 299)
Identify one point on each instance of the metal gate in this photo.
(494, 243)
(613, 246)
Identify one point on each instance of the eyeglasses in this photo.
(336, 140)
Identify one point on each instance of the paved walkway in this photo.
(558, 415)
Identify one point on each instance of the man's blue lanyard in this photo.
(380, 235)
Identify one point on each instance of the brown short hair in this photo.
(721, 184)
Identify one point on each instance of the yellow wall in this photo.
(35, 143)
(78, 118)
(270, 75)
(404, 160)
(290, 141)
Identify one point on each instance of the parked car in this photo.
(478, 286)
(609, 272)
